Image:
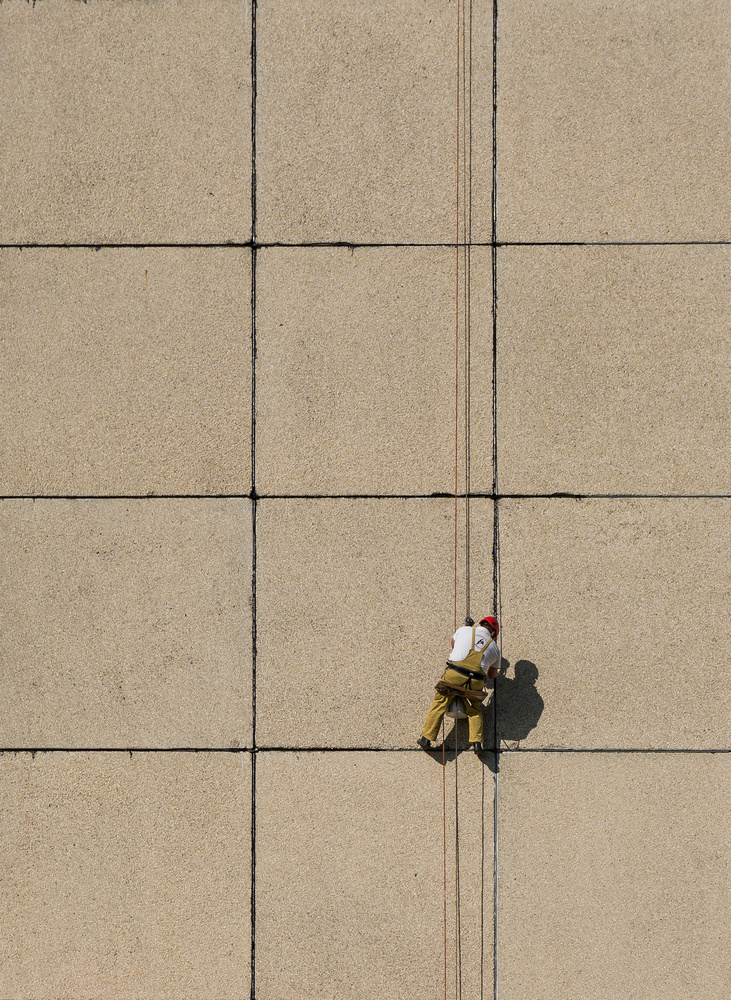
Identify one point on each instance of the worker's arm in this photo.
(492, 654)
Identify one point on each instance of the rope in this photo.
(456, 481)
(463, 312)
(457, 913)
(444, 853)
(467, 235)
(482, 890)
(463, 308)
(456, 326)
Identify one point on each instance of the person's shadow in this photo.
(514, 709)
(512, 712)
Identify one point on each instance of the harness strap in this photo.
(474, 675)
(475, 697)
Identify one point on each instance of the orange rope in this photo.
(461, 122)
(456, 485)
(444, 854)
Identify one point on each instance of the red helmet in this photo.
(492, 624)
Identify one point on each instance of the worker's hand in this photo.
(492, 673)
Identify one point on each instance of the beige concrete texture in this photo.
(350, 876)
(357, 131)
(125, 371)
(615, 623)
(613, 120)
(125, 875)
(361, 359)
(612, 370)
(614, 876)
(126, 122)
(125, 623)
(355, 610)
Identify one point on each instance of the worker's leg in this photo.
(441, 702)
(434, 716)
(474, 715)
(474, 720)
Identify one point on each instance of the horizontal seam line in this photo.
(365, 496)
(346, 244)
(323, 749)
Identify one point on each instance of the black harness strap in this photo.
(474, 675)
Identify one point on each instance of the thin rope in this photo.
(497, 591)
(444, 853)
(465, 189)
(482, 890)
(456, 485)
(467, 233)
(457, 899)
(456, 326)
(463, 310)
(498, 610)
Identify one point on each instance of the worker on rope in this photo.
(474, 659)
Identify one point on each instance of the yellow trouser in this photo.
(440, 704)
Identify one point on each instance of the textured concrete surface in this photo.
(619, 609)
(356, 370)
(355, 613)
(125, 875)
(613, 370)
(350, 876)
(125, 623)
(125, 371)
(125, 122)
(356, 121)
(613, 120)
(614, 877)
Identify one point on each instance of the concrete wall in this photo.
(237, 433)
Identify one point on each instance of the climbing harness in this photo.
(477, 697)
(470, 674)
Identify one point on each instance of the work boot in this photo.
(424, 743)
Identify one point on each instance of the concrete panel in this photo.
(355, 610)
(357, 121)
(356, 359)
(125, 875)
(614, 876)
(125, 623)
(125, 371)
(620, 608)
(126, 122)
(350, 876)
(614, 120)
(612, 370)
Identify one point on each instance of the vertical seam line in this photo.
(253, 496)
(496, 553)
